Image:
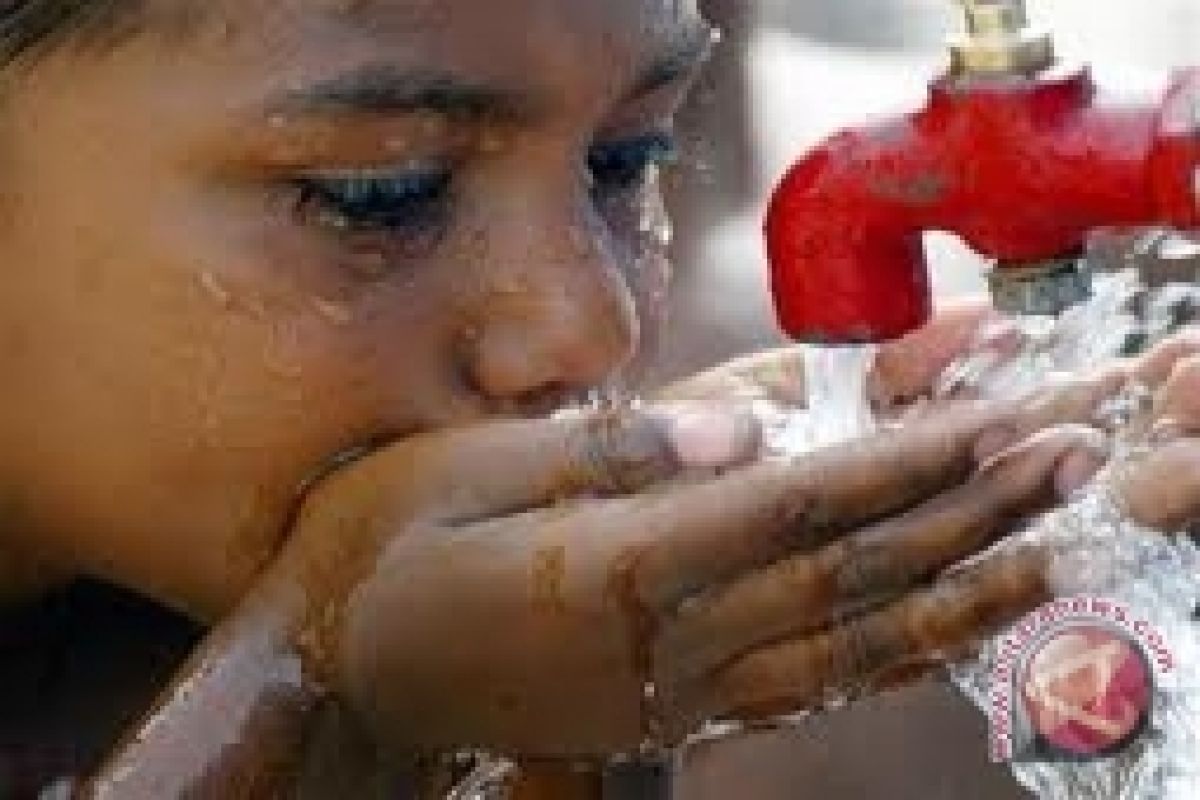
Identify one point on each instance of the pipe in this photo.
(1020, 166)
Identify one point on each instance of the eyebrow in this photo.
(390, 89)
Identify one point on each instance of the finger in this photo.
(908, 368)
(711, 532)
(1179, 398)
(776, 376)
(1155, 366)
(1065, 401)
(507, 467)
(1163, 490)
(879, 649)
(697, 535)
(805, 593)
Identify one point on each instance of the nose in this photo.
(557, 315)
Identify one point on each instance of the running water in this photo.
(838, 407)
(1098, 551)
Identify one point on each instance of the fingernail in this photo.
(705, 439)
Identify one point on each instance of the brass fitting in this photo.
(1044, 288)
(1000, 40)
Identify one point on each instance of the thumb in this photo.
(510, 466)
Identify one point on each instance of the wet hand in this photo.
(519, 585)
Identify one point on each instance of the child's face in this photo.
(235, 251)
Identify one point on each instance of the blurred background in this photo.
(788, 73)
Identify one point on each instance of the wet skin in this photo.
(294, 230)
(194, 334)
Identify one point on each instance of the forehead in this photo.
(554, 45)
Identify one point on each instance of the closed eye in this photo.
(385, 200)
(625, 164)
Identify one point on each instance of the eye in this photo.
(399, 200)
(624, 165)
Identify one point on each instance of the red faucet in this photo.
(1021, 164)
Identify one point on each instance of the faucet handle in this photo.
(1000, 40)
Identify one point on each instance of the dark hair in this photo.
(29, 28)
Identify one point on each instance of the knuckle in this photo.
(863, 646)
(865, 570)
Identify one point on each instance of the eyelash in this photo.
(622, 166)
(374, 201)
(413, 199)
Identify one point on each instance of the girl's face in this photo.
(245, 241)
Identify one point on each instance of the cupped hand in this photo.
(551, 587)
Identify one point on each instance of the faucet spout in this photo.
(1021, 167)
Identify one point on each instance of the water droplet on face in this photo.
(283, 357)
(654, 222)
(336, 312)
(509, 286)
(213, 287)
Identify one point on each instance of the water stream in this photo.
(1098, 551)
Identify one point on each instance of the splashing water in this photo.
(838, 408)
(1097, 551)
